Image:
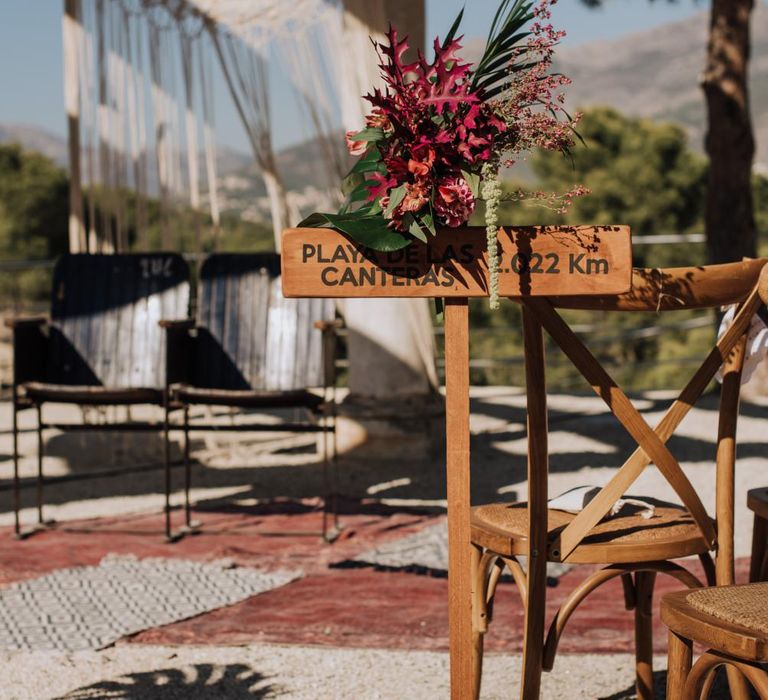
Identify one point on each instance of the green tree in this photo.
(33, 220)
(33, 205)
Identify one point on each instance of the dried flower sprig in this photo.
(558, 202)
(491, 192)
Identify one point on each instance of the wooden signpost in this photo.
(534, 261)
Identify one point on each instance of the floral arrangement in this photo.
(439, 132)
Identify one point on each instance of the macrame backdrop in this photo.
(139, 99)
(138, 81)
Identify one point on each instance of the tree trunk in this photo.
(730, 223)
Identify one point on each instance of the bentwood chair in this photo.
(102, 346)
(253, 349)
(626, 545)
(757, 502)
(731, 622)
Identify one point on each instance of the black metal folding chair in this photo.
(251, 348)
(102, 346)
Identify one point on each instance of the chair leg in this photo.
(331, 527)
(479, 617)
(167, 456)
(187, 472)
(326, 485)
(759, 537)
(737, 684)
(644, 583)
(629, 591)
(39, 466)
(678, 665)
(334, 473)
(709, 568)
(533, 642)
(706, 685)
(16, 480)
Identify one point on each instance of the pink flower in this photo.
(355, 148)
(378, 186)
(454, 202)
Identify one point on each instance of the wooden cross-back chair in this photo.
(252, 348)
(102, 345)
(731, 623)
(627, 546)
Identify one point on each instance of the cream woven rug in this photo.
(91, 607)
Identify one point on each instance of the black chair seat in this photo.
(91, 395)
(246, 398)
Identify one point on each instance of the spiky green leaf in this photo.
(370, 231)
(396, 196)
(368, 134)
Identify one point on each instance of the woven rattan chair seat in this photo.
(626, 537)
(746, 606)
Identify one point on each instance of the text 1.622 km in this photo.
(551, 264)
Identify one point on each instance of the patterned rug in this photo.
(426, 552)
(91, 607)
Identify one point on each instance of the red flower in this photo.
(379, 185)
(415, 197)
(378, 120)
(421, 161)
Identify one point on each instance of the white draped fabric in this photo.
(134, 86)
(143, 84)
(391, 344)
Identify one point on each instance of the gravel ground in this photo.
(586, 448)
(232, 673)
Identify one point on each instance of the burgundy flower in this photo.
(378, 120)
(422, 158)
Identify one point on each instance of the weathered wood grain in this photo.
(535, 261)
(458, 494)
(104, 318)
(249, 335)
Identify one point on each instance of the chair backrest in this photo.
(249, 335)
(653, 290)
(105, 311)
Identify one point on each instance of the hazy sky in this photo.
(30, 55)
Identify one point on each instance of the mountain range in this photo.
(657, 74)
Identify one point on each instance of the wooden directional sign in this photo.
(534, 261)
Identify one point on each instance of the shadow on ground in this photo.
(579, 438)
(719, 689)
(198, 682)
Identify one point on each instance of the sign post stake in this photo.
(458, 495)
